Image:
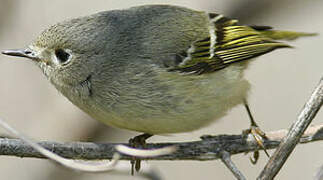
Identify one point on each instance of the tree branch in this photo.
(295, 132)
(226, 159)
(209, 148)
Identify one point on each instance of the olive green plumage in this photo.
(234, 43)
(155, 69)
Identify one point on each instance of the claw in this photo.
(138, 141)
(257, 133)
(255, 157)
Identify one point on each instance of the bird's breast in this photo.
(156, 101)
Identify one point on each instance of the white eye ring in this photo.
(62, 56)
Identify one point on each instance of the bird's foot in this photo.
(256, 132)
(138, 142)
(259, 136)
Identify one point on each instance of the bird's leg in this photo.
(256, 132)
(137, 142)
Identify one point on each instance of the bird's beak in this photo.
(27, 53)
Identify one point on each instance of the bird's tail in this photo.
(281, 35)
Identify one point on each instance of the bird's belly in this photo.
(177, 103)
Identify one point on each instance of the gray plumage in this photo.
(119, 67)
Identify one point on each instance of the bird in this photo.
(154, 69)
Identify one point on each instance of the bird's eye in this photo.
(62, 56)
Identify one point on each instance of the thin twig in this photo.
(295, 132)
(144, 153)
(80, 166)
(226, 159)
(95, 166)
(319, 174)
(208, 148)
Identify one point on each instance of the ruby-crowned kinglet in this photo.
(154, 69)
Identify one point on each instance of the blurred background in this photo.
(282, 81)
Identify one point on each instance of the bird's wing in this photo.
(228, 42)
